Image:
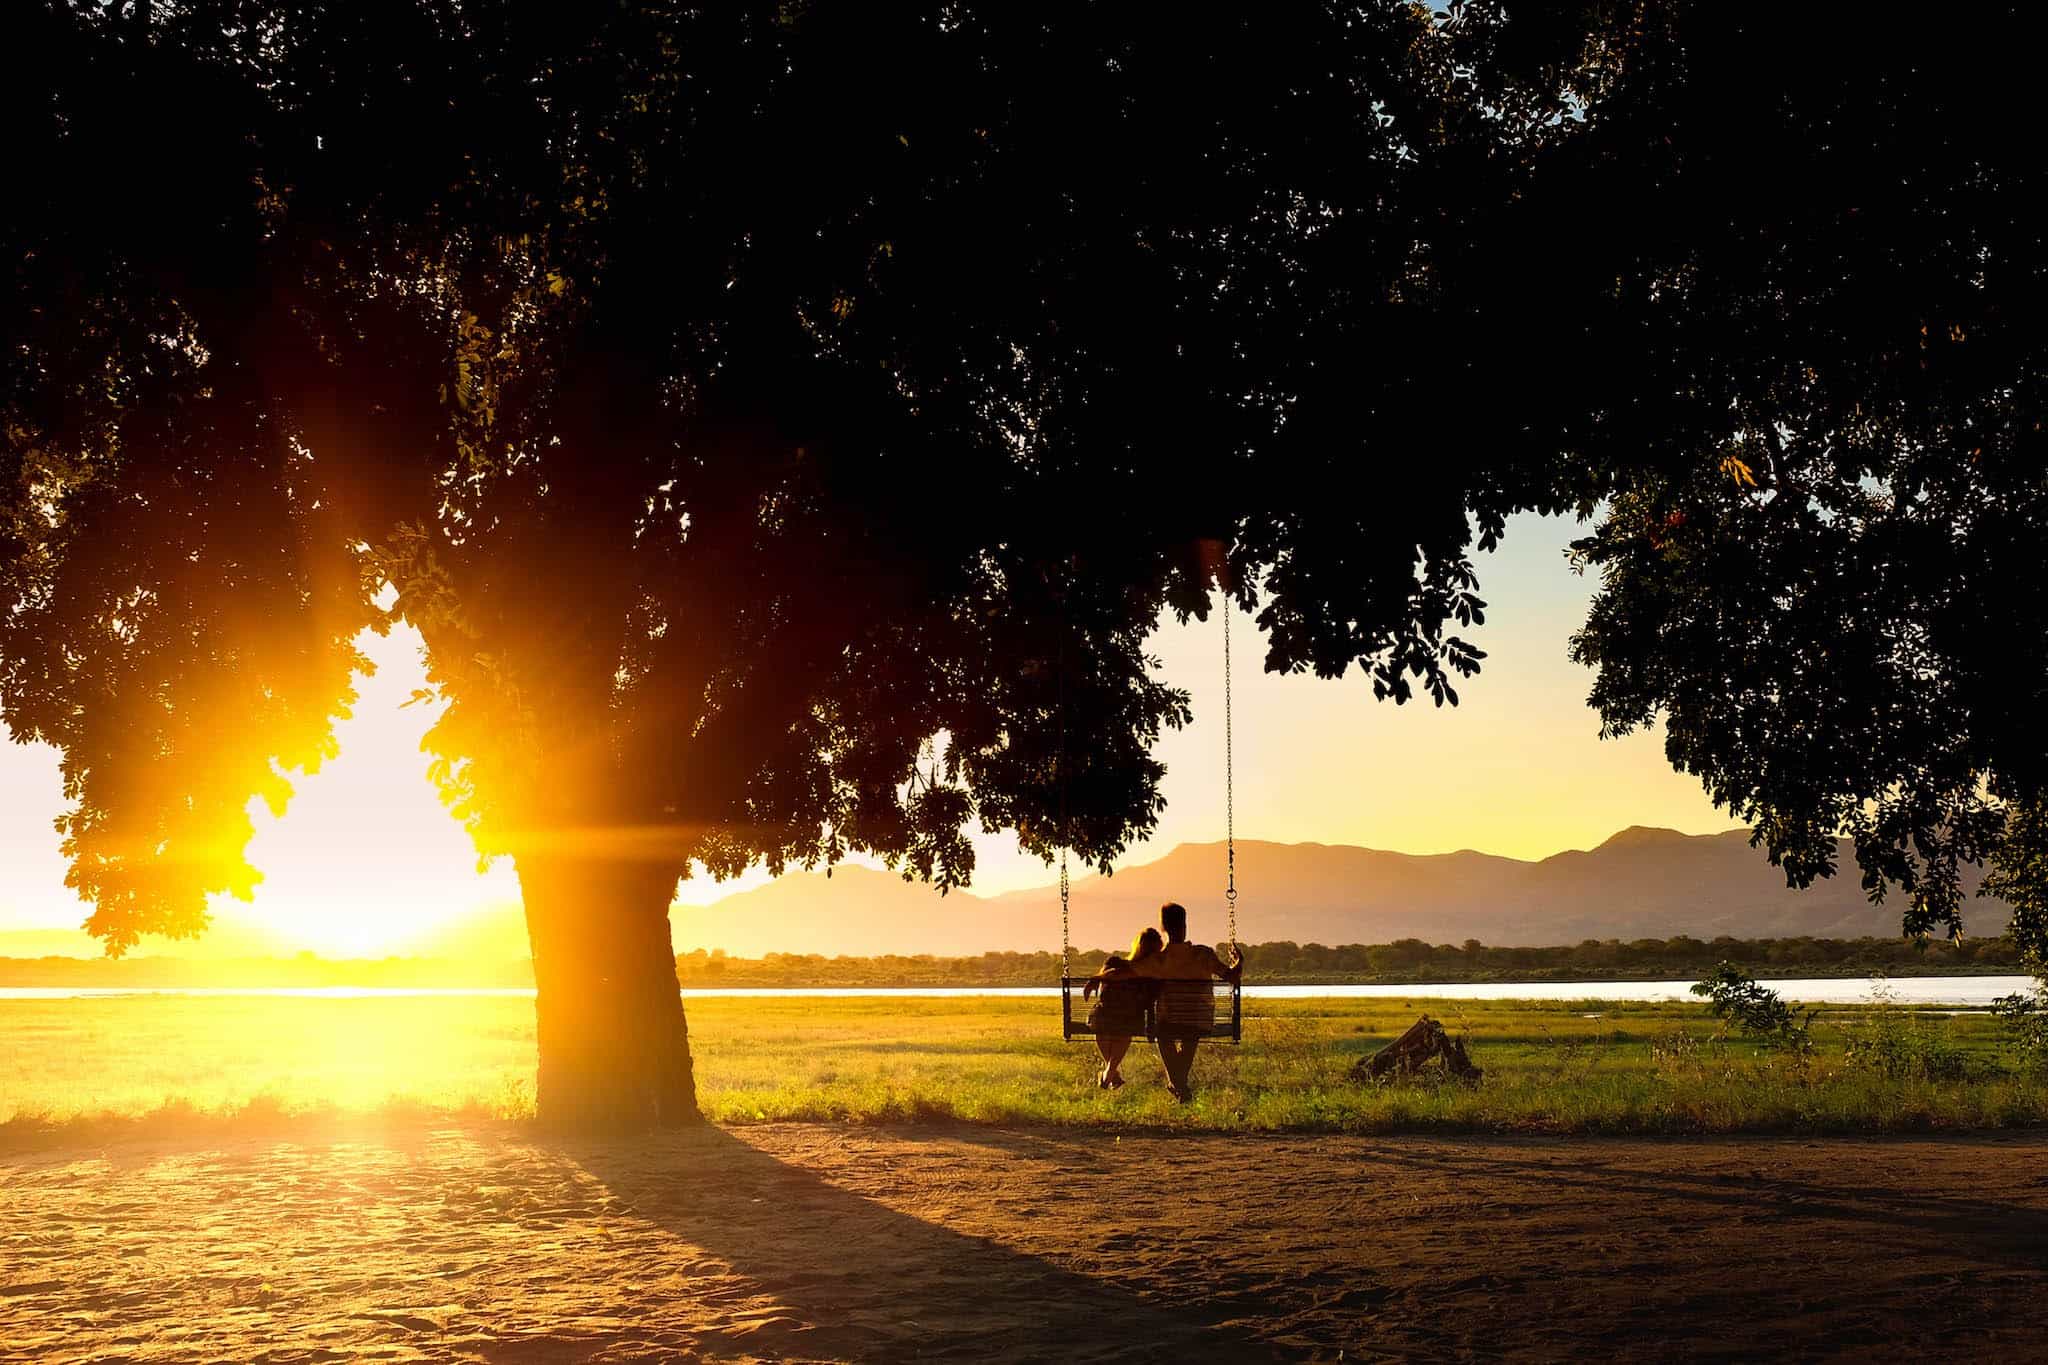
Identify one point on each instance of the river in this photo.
(1969, 992)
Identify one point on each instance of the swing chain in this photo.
(1066, 943)
(1229, 780)
(1060, 773)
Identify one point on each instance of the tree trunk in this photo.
(608, 1015)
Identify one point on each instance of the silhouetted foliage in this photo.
(1823, 446)
(2025, 1018)
(1733, 994)
(785, 423)
(738, 399)
(2019, 875)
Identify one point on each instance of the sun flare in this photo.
(366, 862)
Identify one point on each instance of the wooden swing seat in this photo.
(1218, 1014)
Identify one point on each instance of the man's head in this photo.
(1173, 918)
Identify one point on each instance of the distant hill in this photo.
(1641, 883)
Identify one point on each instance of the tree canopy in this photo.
(742, 399)
(1821, 559)
(735, 400)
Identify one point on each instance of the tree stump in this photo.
(1426, 1042)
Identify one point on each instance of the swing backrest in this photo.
(1220, 1018)
(1186, 1006)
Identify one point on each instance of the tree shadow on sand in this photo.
(864, 1281)
(1983, 1229)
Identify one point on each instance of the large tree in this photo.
(740, 400)
(1819, 431)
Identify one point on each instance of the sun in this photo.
(366, 862)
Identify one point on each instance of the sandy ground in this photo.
(832, 1243)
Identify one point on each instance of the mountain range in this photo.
(1641, 883)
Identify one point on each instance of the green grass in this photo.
(1551, 1067)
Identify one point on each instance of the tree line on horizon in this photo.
(1282, 962)
(1278, 962)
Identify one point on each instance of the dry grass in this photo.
(76, 1067)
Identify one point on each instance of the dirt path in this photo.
(832, 1243)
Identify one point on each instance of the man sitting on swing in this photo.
(1186, 1012)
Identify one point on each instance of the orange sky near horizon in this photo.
(365, 859)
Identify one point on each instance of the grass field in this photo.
(73, 1065)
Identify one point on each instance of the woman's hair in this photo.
(1146, 943)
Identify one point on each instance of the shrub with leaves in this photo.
(1758, 1010)
(2025, 1016)
(1901, 1044)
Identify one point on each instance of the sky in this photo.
(365, 857)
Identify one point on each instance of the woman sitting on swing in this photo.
(1119, 1015)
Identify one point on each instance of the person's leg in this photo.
(1184, 1065)
(1176, 1067)
(1177, 1055)
(1113, 1050)
(1104, 1045)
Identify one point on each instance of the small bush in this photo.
(2025, 1018)
(1685, 1058)
(1901, 1045)
(1759, 1011)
